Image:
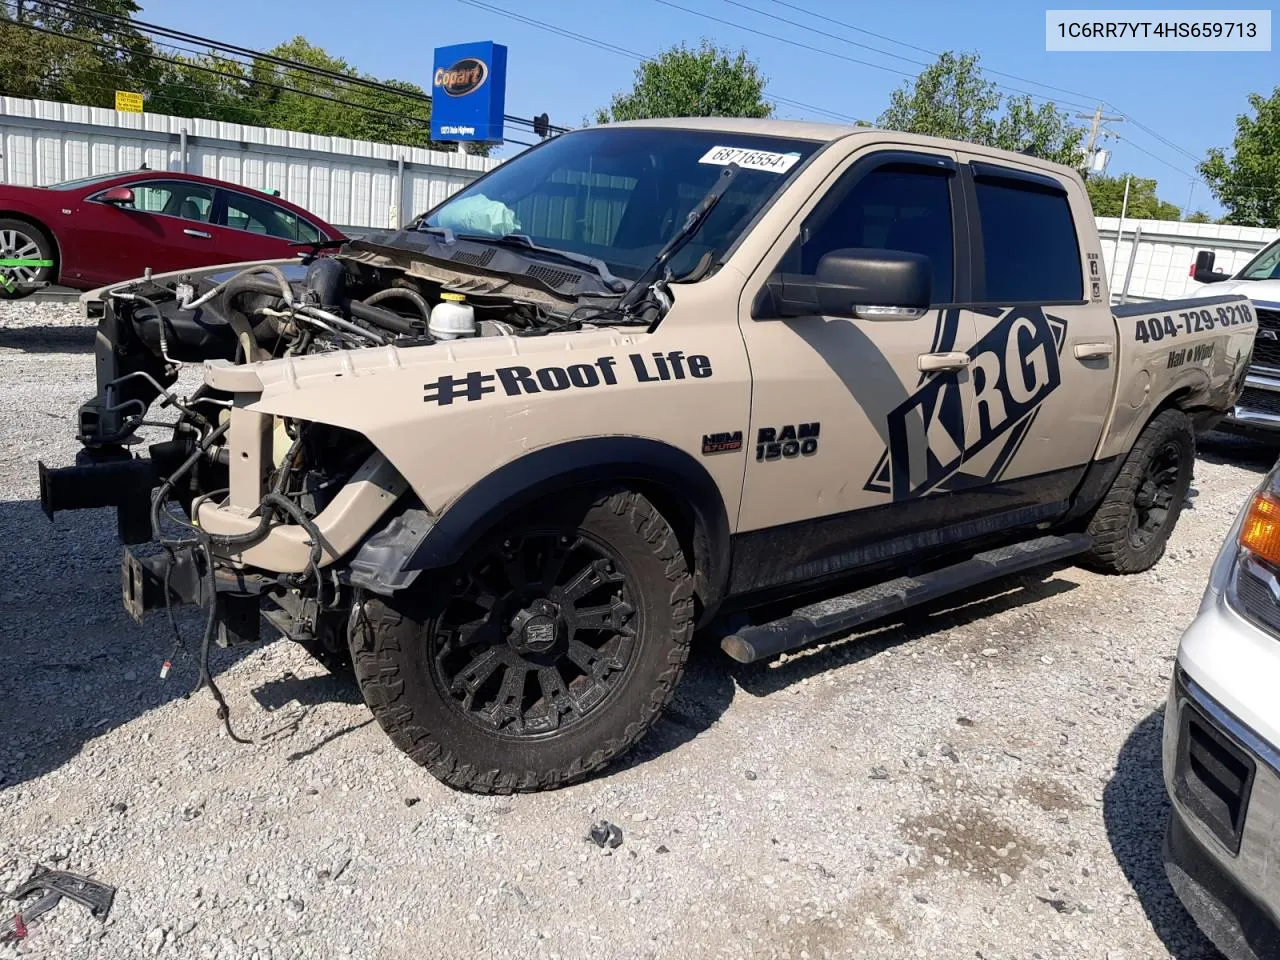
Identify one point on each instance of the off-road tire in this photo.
(392, 643)
(1112, 524)
(44, 247)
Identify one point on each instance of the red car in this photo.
(99, 230)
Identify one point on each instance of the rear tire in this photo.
(545, 654)
(24, 241)
(1132, 524)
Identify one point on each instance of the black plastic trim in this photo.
(839, 615)
(554, 470)
(1098, 478)
(810, 551)
(1156, 306)
(992, 171)
(1237, 924)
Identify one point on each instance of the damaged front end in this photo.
(251, 514)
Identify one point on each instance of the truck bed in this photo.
(1197, 349)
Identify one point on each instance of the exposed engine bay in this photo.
(368, 296)
(297, 494)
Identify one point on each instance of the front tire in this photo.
(547, 653)
(20, 240)
(1131, 526)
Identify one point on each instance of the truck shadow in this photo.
(1135, 809)
(48, 338)
(76, 667)
(711, 679)
(1251, 452)
(948, 613)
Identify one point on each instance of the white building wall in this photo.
(353, 184)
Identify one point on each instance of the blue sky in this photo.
(1188, 99)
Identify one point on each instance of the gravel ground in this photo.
(979, 780)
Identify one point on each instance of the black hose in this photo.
(379, 317)
(403, 293)
(248, 283)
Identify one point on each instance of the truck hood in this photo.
(1263, 293)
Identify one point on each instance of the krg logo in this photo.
(465, 76)
(1014, 367)
(793, 440)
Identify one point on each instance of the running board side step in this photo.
(838, 615)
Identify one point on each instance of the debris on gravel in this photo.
(980, 777)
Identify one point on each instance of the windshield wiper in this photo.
(518, 241)
(443, 232)
(692, 224)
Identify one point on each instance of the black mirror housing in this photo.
(1203, 271)
(898, 283)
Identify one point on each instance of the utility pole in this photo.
(1096, 131)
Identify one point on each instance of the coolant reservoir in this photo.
(451, 318)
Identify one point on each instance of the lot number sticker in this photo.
(751, 159)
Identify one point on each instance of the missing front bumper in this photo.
(124, 483)
(184, 572)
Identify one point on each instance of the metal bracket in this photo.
(55, 885)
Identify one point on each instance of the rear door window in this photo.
(256, 215)
(1030, 249)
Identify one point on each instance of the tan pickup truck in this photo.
(644, 378)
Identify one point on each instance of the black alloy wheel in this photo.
(1154, 496)
(537, 636)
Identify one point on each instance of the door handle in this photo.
(933, 362)
(198, 233)
(1093, 351)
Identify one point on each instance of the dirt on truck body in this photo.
(644, 378)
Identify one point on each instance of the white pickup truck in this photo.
(1259, 405)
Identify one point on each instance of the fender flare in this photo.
(678, 480)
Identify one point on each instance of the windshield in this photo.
(620, 194)
(1265, 266)
(87, 181)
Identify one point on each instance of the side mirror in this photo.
(118, 196)
(1202, 270)
(862, 283)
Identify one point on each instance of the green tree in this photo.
(679, 82)
(52, 53)
(1107, 196)
(1247, 183)
(1199, 217)
(951, 98)
(317, 104)
(203, 86)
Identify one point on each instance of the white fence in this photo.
(353, 184)
(1166, 249)
(357, 185)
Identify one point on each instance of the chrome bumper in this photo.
(1222, 850)
(1251, 414)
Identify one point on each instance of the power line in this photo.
(240, 78)
(864, 46)
(630, 54)
(794, 43)
(912, 46)
(1074, 93)
(255, 55)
